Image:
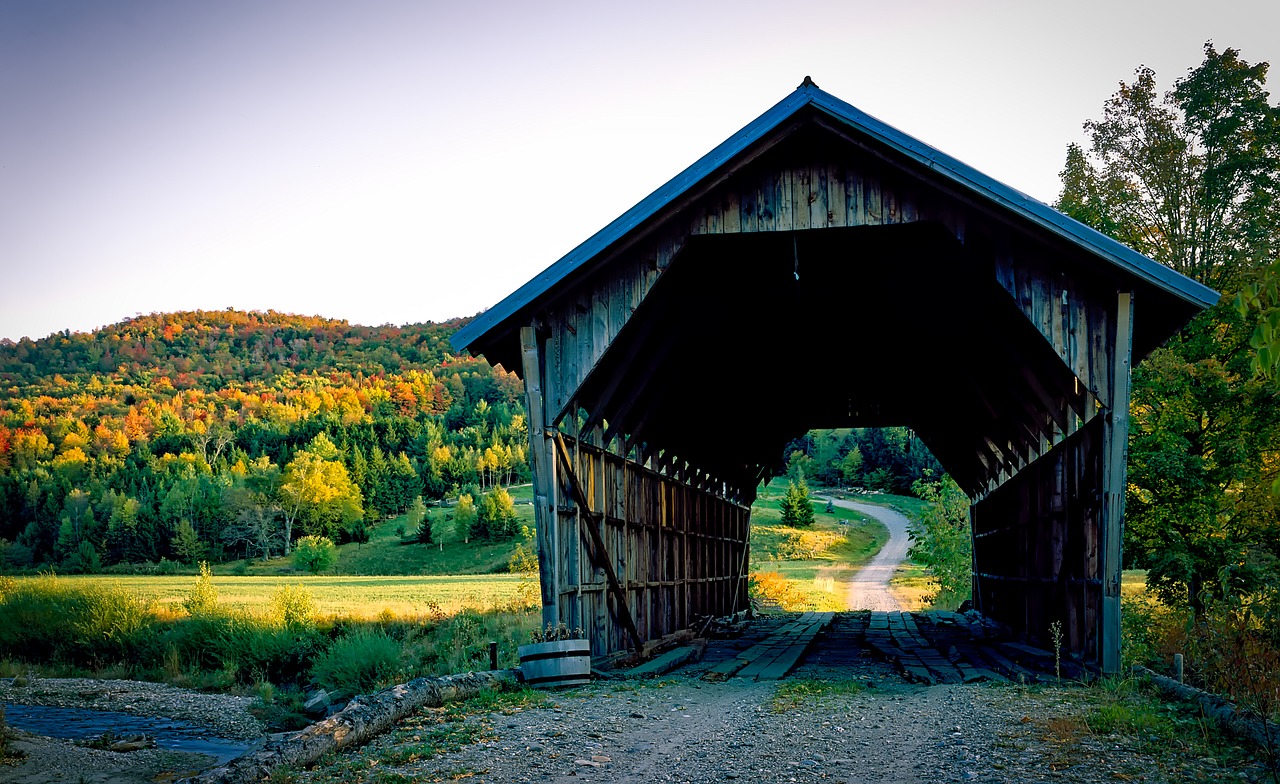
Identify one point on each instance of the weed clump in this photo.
(360, 662)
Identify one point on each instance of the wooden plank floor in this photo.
(775, 656)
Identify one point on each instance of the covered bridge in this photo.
(821, 269)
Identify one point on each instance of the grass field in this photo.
(335, 595)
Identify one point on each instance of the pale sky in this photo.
(393, 162)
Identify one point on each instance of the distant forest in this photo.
(222, 435)
(227, 434)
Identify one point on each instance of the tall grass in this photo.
(95, 627)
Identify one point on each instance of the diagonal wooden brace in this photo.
(622, 611)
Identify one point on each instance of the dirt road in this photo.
(869, 589)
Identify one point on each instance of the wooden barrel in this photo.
(547, 665)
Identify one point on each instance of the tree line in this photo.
(225, 434)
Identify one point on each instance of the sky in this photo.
(395, 162)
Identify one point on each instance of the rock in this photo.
(334, 708)
(317, 703)
(132, 743)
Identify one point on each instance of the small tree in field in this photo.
(315, 553)
(496, 517)
(464, 516)
(796, 509)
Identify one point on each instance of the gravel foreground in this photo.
(879, 729)
(856, 722)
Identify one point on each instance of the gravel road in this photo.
(682, 729)
(869, 589)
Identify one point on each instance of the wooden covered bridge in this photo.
(821, 269)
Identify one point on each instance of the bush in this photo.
(941, 541)
(203, 597)
(315, 554)
(496, 516)
(293, 607)
(358, 663)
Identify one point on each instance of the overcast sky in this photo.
(395, 162)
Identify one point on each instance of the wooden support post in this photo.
(1116, 440)
(601, 555)
(544, 475)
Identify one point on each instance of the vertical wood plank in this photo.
(837, 200)
(1116, 438)
(782, 205)
(801, 197)
(542, 464)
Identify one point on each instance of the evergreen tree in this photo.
(796, 509)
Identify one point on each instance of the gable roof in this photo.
(1120, 256)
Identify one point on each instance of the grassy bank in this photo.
(283, 640)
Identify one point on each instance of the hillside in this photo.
(220, 434)
(206, 349)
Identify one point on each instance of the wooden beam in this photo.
(600, 554)
(544, 475)
(1116, 440)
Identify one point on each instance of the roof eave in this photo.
(1019, 203)
(632, 218)
(1016, 202)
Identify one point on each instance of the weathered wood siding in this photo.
(1038, 546)
(680, 538)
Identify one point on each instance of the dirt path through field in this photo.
(869, 589)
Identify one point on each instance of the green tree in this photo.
(496, 516)
(1204, 451)
(317, 493)
(420, 522)
(1190, 178)
(464, 517)
(941, 540)
(257, 517)
(186, 543)
(315, 554)
(796, 508)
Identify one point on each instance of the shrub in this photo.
(315, 554)
(941, 541)
(253, 651)
(293, 607)
(203, 597)
(358, 663)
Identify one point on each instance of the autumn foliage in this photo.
(228, 434)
